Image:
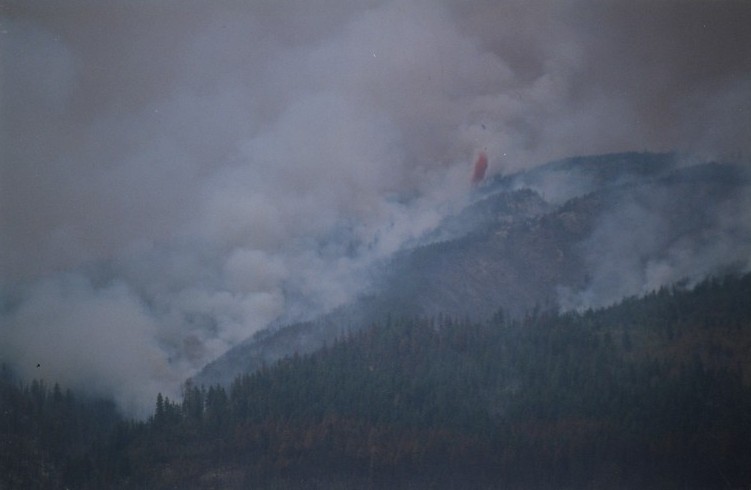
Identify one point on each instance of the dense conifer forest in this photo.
(654, 392)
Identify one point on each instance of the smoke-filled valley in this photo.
(192, 192)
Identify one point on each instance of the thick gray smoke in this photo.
(176, 175)
(662, 235)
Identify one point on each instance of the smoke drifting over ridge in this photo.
(176, 175)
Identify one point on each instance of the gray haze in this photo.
(176, 175)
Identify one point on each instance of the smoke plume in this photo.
(176, 175)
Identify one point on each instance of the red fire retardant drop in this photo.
(481, 165)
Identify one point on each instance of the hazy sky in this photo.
(174, 175)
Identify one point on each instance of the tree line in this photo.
(654, 392)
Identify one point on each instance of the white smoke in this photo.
(660, 236)
(175, 176)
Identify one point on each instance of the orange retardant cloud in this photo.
(481, 166)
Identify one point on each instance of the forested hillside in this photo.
(381, 244)
(48, 435)
(654, 392)
(580, 232)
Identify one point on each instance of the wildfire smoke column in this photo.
(481, 166)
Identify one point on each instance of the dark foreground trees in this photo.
(49, 437)
(651, 393)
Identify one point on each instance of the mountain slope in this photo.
(614, 225)
(651, 393)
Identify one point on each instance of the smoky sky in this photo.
(176, 175)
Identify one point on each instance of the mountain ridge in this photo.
(511, 249)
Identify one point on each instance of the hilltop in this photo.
(575, 233)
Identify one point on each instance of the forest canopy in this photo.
(653, 392)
